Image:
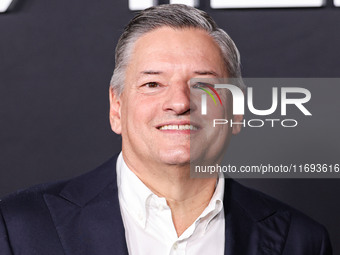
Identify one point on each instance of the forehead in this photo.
(169, 47)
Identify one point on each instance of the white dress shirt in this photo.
(149, 228)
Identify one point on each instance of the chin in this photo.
(176, 158)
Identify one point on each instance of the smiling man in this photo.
(153, 116)
(143, 200)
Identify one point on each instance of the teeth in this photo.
(178, 127)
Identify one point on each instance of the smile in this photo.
(178, 127)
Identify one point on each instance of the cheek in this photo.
(139, 113)
(221, 118)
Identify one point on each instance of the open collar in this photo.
(88, 221)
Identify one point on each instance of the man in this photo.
(144, 201)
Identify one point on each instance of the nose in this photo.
(178, 99)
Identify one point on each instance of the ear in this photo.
(115, 112)
(237, 127)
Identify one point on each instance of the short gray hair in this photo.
(176, 16)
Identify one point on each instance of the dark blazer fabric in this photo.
(82, 216)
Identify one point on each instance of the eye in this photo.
(151, 85)
(198, 85)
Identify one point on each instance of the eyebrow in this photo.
(151, 72)
(206, 73)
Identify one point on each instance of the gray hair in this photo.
(176, 16)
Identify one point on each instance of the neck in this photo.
(187, 197)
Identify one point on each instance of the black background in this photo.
(56, 61)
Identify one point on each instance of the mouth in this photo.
(178, 127)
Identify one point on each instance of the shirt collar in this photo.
(133, 192)
(136, 196)
(216, 203)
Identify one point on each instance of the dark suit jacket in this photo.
(82, 216)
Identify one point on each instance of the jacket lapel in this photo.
(253, 225)
(87, 215)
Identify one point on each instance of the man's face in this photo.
(153, 112)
